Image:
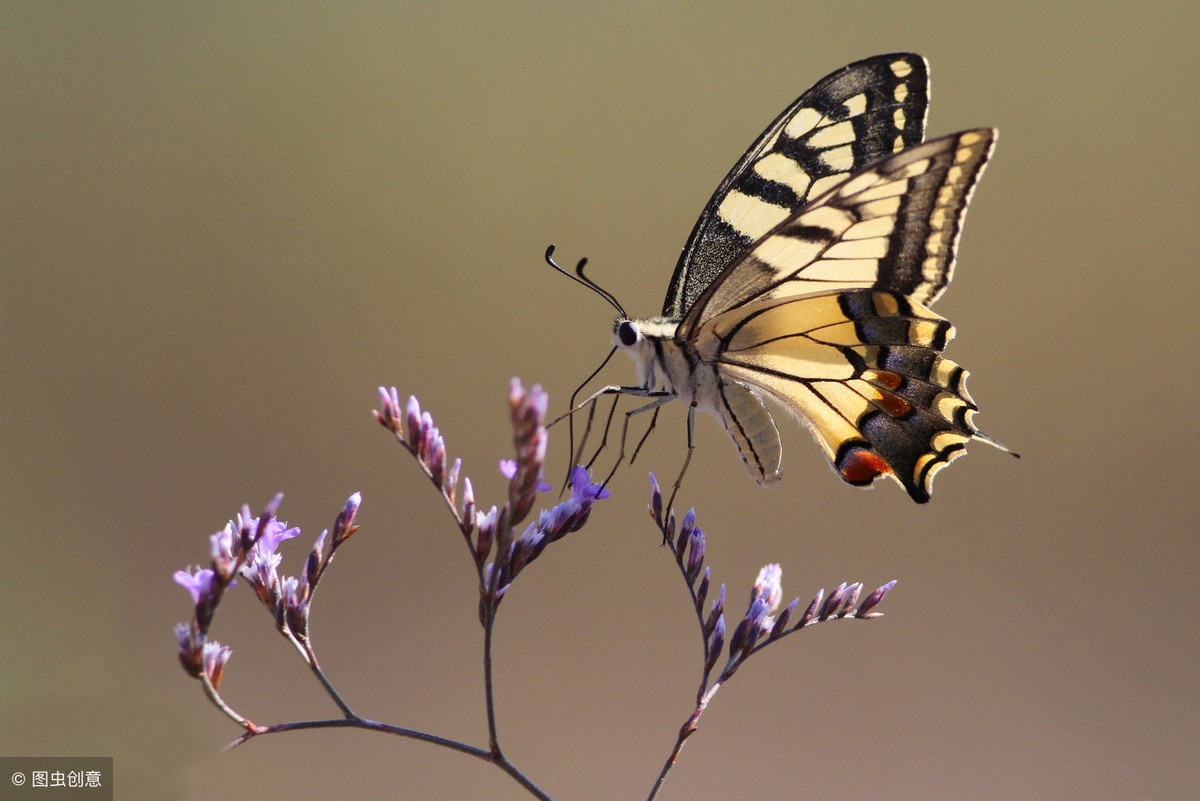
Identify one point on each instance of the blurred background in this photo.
(225, 224)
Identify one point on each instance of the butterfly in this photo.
(807, 281)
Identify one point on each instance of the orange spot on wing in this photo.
(894, 406)
(862, 466)
(886, 378)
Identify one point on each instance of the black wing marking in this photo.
(846, 121)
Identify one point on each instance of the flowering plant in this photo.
(247, 547)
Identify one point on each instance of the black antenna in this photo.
(580, 278)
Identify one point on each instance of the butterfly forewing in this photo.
(893, 226)
(848, 120)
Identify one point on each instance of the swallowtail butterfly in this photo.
(807, 281)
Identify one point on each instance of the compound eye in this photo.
(627, 333)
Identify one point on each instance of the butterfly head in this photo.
(628, 336)
(645, 341)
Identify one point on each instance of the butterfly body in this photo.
(690, 371)
(807, 281)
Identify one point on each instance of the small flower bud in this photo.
(833, 602)
(428, 433)
(753, 626)
(468, 510)
(503, 529)
(223, 546)
(811, 611)
(864, 609)
(247, 525)
(343, 527)
(850, 599)
(685, 532)
(738, 639)
(695, 557)
(656, 501)
(702, 590)
(389, 410)
(312, 566)
(215, 657)
(780, 627)
(413, 430)
(452, 481)
(718, 610)
(716, 640)
(191, 648)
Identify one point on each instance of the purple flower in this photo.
(768, 586)
(199, 583)
(582, 488)
(276, 532)
(551, 525)
(262, 566)
(571, 514)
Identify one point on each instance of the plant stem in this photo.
(371, 725)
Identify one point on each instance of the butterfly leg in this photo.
(691, 422)
(577, 453)
(646, 436)
(612, 411)
(660, 398)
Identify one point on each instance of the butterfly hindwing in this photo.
(862, 370)
(848, 120)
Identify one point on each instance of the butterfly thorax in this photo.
(688, 370)
(665, 362)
